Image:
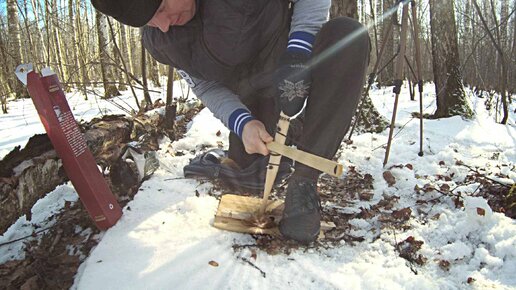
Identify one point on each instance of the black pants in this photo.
(341, 55)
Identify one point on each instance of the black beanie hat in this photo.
(131, 12)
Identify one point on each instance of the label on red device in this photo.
(72, 133)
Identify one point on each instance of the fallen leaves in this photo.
(396, 218)
(444, 265)
(213, 263)
(389, 178)
(408, 250)
(402, 214)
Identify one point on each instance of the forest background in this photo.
(463, 43)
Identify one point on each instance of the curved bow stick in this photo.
(274, 160)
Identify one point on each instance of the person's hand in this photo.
(293, 81)
(254, 137)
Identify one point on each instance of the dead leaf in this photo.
(459, 203)
(444, 265)
(428, 188)
(253, 254)
(366, 195)
(445, 187)
(471, 280)
(218, 133)
(442, 163)
(213, 263)
(481, 211)
(409, 166)
(408, 249)
(389, 178)
(402, 214)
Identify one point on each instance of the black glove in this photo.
(293, 81)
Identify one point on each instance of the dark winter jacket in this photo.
(235, 43)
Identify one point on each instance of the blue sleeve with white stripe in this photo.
(223, 103)
(307, 19)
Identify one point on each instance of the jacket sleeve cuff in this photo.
(301, 42)
(237, 121)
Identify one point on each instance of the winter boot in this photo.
(301, 219)
(215, 165)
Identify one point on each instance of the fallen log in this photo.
(29, 174)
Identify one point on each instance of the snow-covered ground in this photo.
(165, 240)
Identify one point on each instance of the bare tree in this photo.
(14, 46)
(55, 29)
(387, 75)
(170, 106)
(110, 89)
(344, 7)
(497, 43)
(146, 95)
(449, 89)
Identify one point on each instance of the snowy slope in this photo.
(165, 239)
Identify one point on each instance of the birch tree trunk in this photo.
(110, 89)
(124, 47)
(39, 33)
(15, 47)
(6, 85)
(31, 53)
(512, 73)
(79, 46)
(451, 100)
(75, 51)
(57, 41)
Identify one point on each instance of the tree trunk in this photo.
(451, 99)
(170, 106)
(344, 8)
(117, 53)
(503, 63)
(15, 47)
(122, 60)
(77, 69)
(512, 76)
(30, 43)
(154, 72)
(6, 83)
(110, 89)
(125, 47)
(41, 40)
(57, 41)
(146, 95)
(387, 75)
(78, 37)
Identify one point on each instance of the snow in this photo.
(165, 240)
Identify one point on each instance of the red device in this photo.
(78, 161)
